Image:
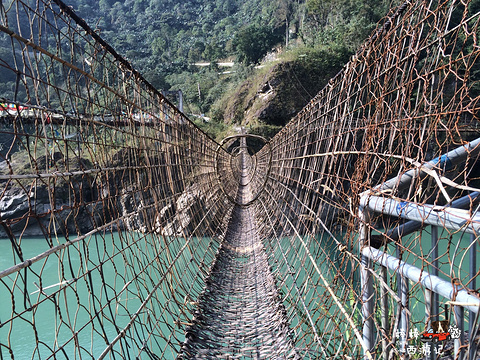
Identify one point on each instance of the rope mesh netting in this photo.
(127, 232)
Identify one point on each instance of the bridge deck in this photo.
(240, 312)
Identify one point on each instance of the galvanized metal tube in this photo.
(434, 271)
(446, 161)
(428, 317)
(405, 319)
(384, 311)
(429, 281)
(434, 301)
(459, 315)
(402, 290)
(412, 226)
(471, 314)
(366, 282)
(447, 217)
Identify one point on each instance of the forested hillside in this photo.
(163, 39)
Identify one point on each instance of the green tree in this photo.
(213, 51)
(253, 42)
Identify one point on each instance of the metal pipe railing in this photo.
(450, 217)
(366, 283)
(444, 162)
(471, 314)
(412, 225)
(442, 216)
(431, 282)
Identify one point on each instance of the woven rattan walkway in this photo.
(240, 313)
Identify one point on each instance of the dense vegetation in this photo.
(165, 38)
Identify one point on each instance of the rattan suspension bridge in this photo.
(126, 232)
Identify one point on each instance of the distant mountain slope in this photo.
(172, 34)
(163, 38)
(167, 35)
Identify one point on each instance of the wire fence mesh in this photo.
(408, 96)
(111, 210)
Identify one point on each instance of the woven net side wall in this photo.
(110, 207)
(410, 95)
